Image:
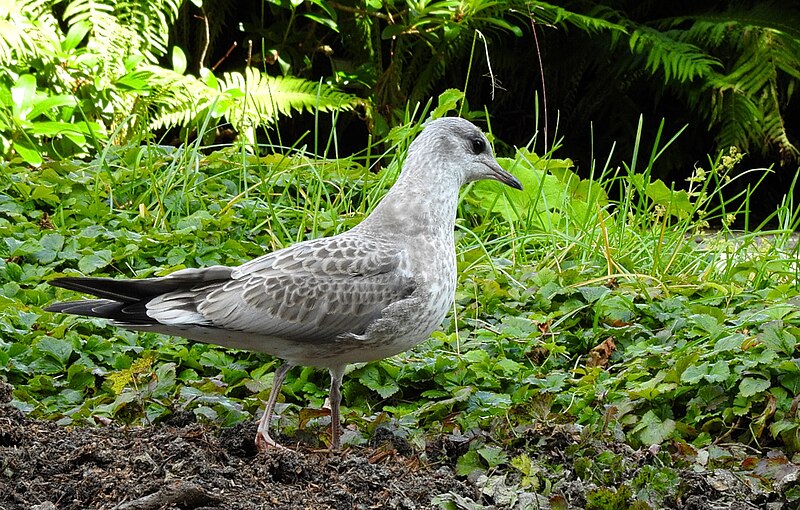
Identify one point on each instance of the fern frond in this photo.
(246, 100)
(257, 98)
(774, 128)
(108, 37)
(174, 99)
(714, 27)
(744, 120)
(598, 19)
(738, 118)
(27, 31)
(762, 44)
(662, 51)
(125, 27)
(152, 20)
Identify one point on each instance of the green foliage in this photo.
(246, 101)
(395, 52)
(760, 48)
(738, 66)
(98, 76)
(608, 499)
(63, 94)
(571, 307)
(706, 333)
(39, 114)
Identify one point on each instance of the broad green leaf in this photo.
(179, 62)
(373, 379)
(791, 382)
(510, 367)
(729, 343)
(651, 430)
(75, 35)
(500, 22)
(323, 21)
(493, 455)
(720, 371)
(52, 242)
(58, 350)
(447, 102)
(476, 356)
(93, 261)
(155, 411)
(164, 384)
(593, 293)
(677, 203)
(23, 93)
(52, 103)
(775, 336)
(28, 153)
(751, 386)
(708, 324)
(46, 193)
(79, 377)
(694, 373)
(469, 462)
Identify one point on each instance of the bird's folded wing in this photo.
(312, 290)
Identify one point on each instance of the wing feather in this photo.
(313, 290)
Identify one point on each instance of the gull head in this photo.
(465, 150)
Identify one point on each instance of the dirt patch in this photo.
(186, 465)
(195, 466)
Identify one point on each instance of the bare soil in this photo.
(195, 466)
(188, 465)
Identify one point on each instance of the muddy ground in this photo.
(192, 466)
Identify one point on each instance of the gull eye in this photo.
(478, 145)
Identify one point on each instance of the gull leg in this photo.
(336, 399)
(263, 440)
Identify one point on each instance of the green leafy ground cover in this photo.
(625, 319)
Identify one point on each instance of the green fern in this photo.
(736, 67)
(747, 99)
(599, 18)
(27, 31)
(246, 100)
(676, 59)
(126, 27)
(107, 57)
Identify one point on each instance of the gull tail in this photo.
(125, 301)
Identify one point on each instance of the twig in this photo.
(221, 60)
(489, 63)
(364, 12)
(207, 40)
(541, 72)
(177, 493)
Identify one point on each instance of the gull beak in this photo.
(498, 174)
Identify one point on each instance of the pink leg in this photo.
(336, 399)
(263, 440)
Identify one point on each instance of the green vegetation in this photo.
(614, 319)
(571, 307)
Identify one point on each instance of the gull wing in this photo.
(314, 290)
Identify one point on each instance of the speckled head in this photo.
(459, 140)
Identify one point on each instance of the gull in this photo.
(363, 295)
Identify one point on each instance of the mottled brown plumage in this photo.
(366, 294)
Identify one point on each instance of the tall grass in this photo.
(675, 235)
(274, 195)
(547, 272)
